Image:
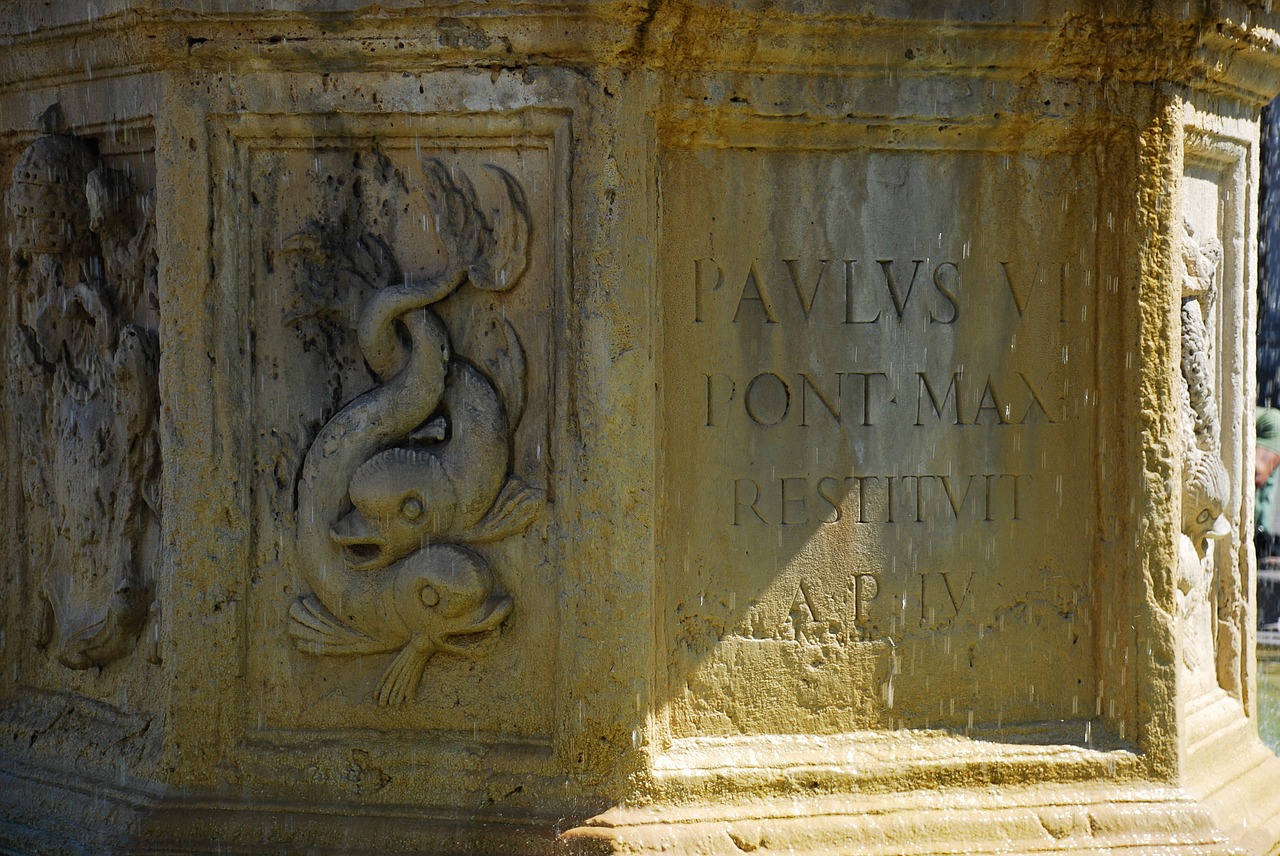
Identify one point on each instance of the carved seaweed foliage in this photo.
(400, 484)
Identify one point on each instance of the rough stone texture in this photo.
(621, 427)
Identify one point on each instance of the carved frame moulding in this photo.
(405, 276)
(880, 629)
(1215, 591)
(80, 376)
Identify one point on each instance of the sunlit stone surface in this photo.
(618, 427)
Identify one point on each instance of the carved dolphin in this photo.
(1206, 490)
(373, 500)
(433, 598)
(406, 498)
(440, 599)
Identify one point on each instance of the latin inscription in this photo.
(880, 445)
(815, 615)
(919, 498)
(852, 307)
(773, 291)
(769, 399)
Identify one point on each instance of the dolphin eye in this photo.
(411, 508)
(429, 596)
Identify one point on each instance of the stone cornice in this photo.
(1233, 51)
(481, 35)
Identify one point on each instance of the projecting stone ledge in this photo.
(1012, 819)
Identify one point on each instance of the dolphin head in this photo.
(1206, 490)
(402, 498)
(445, 595)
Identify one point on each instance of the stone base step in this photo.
(1077, 819)
(49, 813)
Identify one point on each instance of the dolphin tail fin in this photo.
(400, 681)
(512, 512)
(316, 631)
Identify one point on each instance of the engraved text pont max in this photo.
(860, 389)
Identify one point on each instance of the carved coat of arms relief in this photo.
(83, 357)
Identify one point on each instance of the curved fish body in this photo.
(440, 599)
(360, 430)
(379, 582)
(407, 498)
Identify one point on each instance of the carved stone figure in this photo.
(1206, 487)
(396, 485)
(84, 395)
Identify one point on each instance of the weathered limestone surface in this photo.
(624, 427)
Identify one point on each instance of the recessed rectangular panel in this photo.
(1212, 581)
(403, 363)
(81, 393)
(878, 455)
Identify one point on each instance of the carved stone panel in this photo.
(83, 356)
(879, 442)
(1212, 579)
(403, 374)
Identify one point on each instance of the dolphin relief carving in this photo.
(1206, 484)
(400, 484)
